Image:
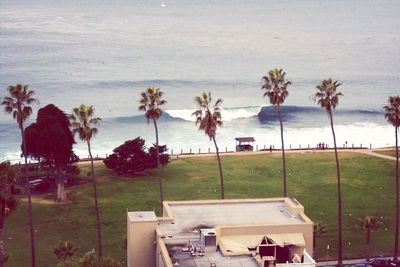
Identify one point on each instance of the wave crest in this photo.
(228, 114)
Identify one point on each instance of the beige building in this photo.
(238, 232)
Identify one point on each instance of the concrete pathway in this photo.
(372, 153)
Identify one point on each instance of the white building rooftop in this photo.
(188, 217)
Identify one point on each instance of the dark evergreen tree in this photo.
(50, 139)
(132, 158)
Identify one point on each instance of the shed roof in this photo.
(245, 139)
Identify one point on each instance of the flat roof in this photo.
(219, 259)
(190, 216)
(142, 216)
(245, 139)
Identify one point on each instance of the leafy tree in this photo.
(368, 224)
(18, 104)
(9, 187)
(152, 156)
(392, 114)
(128, 158)
(275, 86)
(320, 230)
(327, 97)
(64, 251)
(151, 103)
(131, 157)
(50, 139)
(84, 124)
(208, 122)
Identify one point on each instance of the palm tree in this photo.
(276, 85)
(84, 124)
(368, 224)
(208, 122)
(393, 116)
(9, 186)
(18, 104)
(151, 103)
(327, 97)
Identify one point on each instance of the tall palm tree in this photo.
(151, 103)
(18, 104)
(392, 114)
(327, 97)
(275, 86)
(208, 122)
(368, 224)
(84, 124)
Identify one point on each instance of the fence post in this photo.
(190, 150)
(256, 147)
(290, 146)
(370, 146)
(352, 145)
(360, 145)
(226, 149)
(308, 146)
(172, 151)
(199, 150)
(208, 150)
(181, 151)
(299, 146)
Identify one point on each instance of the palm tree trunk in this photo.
(159, 169)
(396, 237)
(339, 196)
(96, 205)
(28, 192)
(220, 169)
(283, 152)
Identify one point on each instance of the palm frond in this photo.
(275, 84)
(18, 101)
(206, 119)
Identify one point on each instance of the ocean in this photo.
(104, 53)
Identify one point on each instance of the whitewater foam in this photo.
(228, 114)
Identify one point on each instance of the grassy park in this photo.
(367, 184)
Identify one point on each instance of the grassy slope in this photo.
(387, 152)
(368, 189)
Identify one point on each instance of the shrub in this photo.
(132, 157)
(90, 259)
(64, 250)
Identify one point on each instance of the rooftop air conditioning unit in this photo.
(208, 238)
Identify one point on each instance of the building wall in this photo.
(141, 237)
(163, 259)
(307, 229)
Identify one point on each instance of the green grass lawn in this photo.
(367, 184)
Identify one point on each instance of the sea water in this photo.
(104, 53)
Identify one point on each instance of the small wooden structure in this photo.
(244, 143)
